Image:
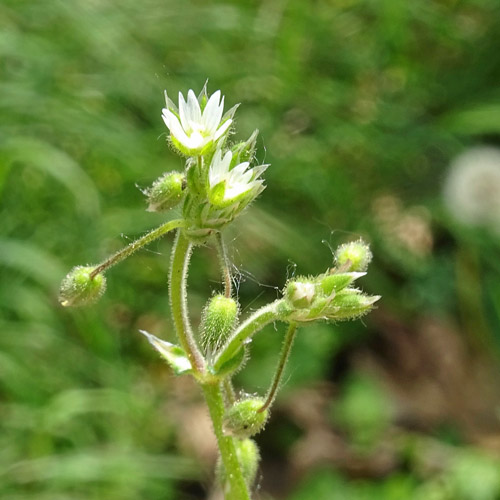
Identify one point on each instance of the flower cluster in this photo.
(329, 296)
(220, 181)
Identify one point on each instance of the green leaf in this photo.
(173, 354)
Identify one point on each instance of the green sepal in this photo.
(171, 353)
(331, 283)
(216, 195)
(231, 365)
(351, 304)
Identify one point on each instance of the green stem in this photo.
(237, 486)
(229, 391)
(224, 264)
(253, 324)
(130, 249)
(181, 252)
(285, 352)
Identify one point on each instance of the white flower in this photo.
(227, 186)
(192, 130)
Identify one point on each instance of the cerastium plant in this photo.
(218, 182)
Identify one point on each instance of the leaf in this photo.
(173, 354)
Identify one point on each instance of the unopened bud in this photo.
(219, 319)
(166, 192)
(301, 294)
(248, 456)
(79, 288)
(354, 256)
(244, 419)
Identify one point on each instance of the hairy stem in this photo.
(181, 252)
(224, 264)
(238, 489)
(130, 249)
(285, 352)
(253, 324)
(229, 391)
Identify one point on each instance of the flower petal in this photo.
(172, 122)
(213, 112)
(222, 129)
(183, 113)
(193, 112)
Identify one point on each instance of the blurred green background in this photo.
(362, 105)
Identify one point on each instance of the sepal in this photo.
(171, 353)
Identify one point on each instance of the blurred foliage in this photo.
(361, 104)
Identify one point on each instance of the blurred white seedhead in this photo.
(472, 187)
(197, 124)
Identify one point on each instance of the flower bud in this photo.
(78, 288)
(248, 456)
(300, 293)
(328, 296)
(218, 321)
(355, 256)
(244, 420)
(166, 192)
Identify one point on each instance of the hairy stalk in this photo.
(285, 352)
(253, 324)
(181, 252)
(229, 391)
(130, 249)
(237, 486)
(224, 264)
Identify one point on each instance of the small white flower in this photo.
(192, 130)
(227, 186)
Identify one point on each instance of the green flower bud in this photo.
(248, 456)
(327, 296)
(78, 288)
(166, 192)
(218, 321)
(354, 256)
(243, 419)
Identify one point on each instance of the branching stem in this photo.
(224, 264)
(130, 249)
(244, 332)
(238, 489)
(181, 253)
(285, 352)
